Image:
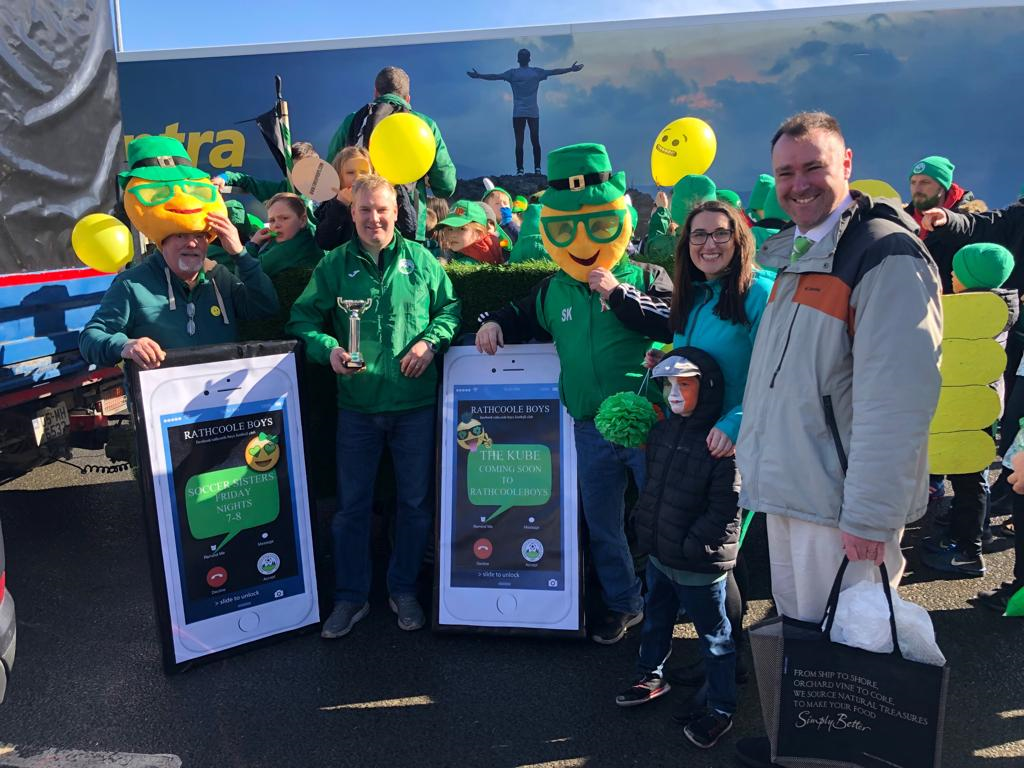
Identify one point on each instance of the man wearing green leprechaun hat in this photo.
(177, 297)
(586, 227)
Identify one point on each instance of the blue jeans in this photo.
(705, 605)
(601, 467)
(361, 440)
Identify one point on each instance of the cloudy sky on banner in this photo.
(145, 25)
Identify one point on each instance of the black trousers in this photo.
(1018, 539)
(519, 126)
(970, 507)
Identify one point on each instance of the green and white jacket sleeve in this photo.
(445, 309)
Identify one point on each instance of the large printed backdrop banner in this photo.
(508, 537)
(227, 507)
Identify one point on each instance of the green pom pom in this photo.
(625, 419)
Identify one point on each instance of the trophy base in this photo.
(354, 365)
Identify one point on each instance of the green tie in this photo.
(801, 245)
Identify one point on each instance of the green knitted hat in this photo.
(936, 167)
(689, 192)
(159, 158)
(982, 265)
(581, 174)
(489, 192)
(765, 184)
(730, 197)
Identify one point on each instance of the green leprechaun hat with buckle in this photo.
(159, 158)
(581, 174)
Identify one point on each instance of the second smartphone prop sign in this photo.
(224, 478)
(508, 535)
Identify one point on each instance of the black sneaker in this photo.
(647, 688)
(705, 731)
(614, 627)
(955, 561)
(520, 172)
(537, 171)
(997, 598)
(938, 543)
(692, 675)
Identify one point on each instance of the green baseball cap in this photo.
(581, 174)
(159, 158)
(982, 265)
(765, 185)
(689, 192)
(465, 212)
(935, 167)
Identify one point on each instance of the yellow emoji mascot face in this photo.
(164, 194)
(585, 220)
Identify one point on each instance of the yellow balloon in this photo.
(102, 242)
(875, 188)
(682, 147)
(402, 148)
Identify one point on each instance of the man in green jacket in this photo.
(177, 297)
(390, 95)
(579, 308)
(410, 313)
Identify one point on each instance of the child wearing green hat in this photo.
(464, 235)
(976, 267)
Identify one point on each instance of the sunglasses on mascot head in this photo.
(474, 431)
(601, 226)
(162, 191)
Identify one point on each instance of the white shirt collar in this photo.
(817, 233)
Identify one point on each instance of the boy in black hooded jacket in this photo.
(688, 521)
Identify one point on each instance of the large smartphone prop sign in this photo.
(508, 538)
(222, 459)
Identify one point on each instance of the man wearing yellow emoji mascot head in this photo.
(164, 193)
(177, 297)
(601, 310)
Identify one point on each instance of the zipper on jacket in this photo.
(785, 347)
(833, 428)
(664, 479)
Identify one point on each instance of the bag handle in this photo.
(833, 601)
(643, 384)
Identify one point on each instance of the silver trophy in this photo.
(355, 309)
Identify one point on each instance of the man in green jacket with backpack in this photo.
(391, 95)
(410, 312)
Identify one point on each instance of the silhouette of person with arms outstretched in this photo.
(525, 80)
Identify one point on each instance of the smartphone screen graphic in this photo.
(234, 510)
(507, 522)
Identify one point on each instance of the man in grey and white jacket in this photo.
(844, 376)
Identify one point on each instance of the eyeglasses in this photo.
(474, 431)
(699, 236)
(162, 191)
(601, 226)
(190, 310)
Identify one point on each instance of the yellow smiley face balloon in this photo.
(683, 147)
(162, 208)
(581, 241)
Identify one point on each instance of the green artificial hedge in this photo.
(481, 287)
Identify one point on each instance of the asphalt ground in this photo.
(88, 687)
